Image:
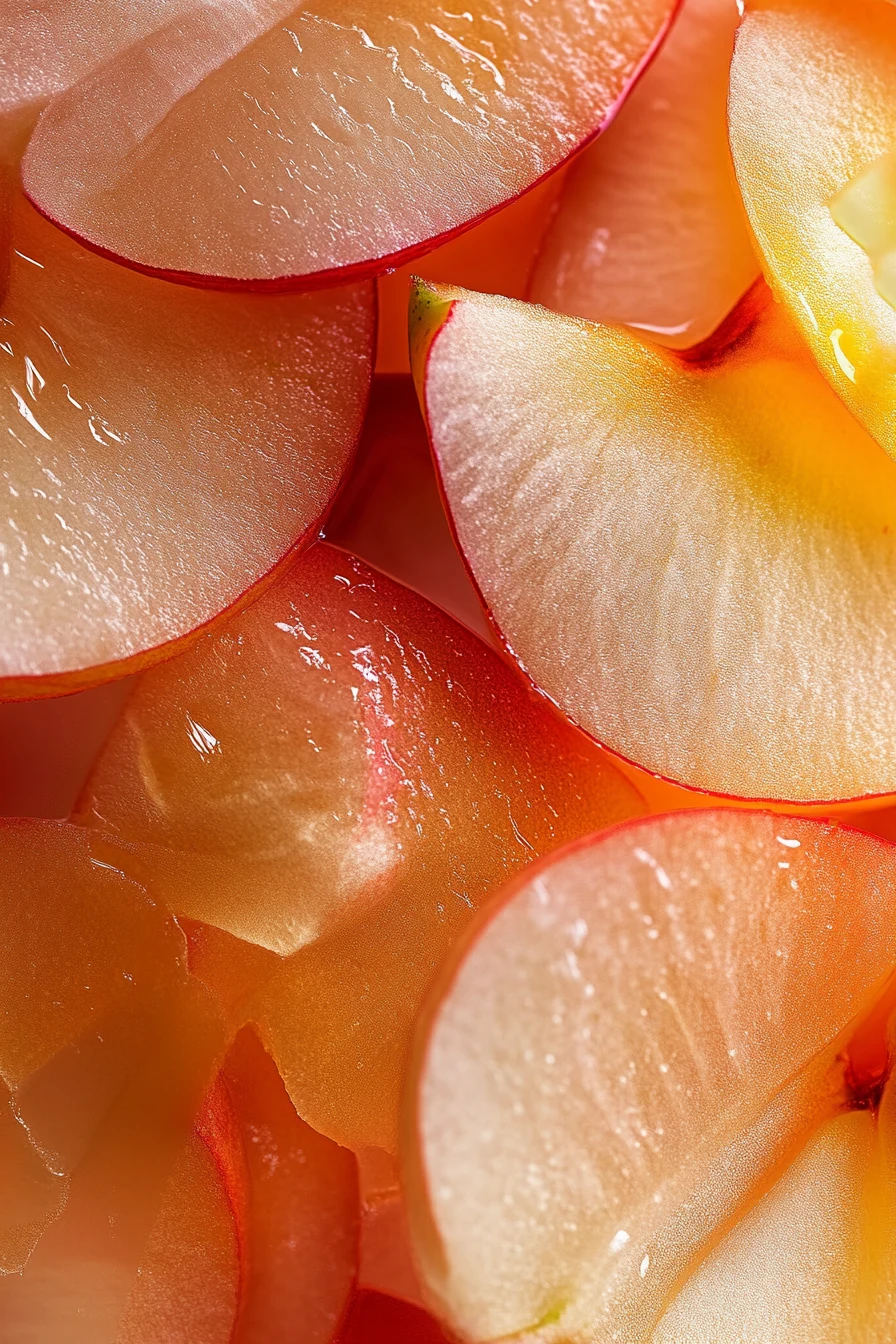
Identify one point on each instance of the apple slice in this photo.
(106, 1047)
(341, 760)
(187, 1287)
(812, 137)
(258, 1225)
(650, 229)
(694, 557)
(389, 512)
(627, 1050)
(49, 44)
(278, 145)
(166, 451)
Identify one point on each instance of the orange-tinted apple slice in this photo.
(812, 88)
(341, 760)
(300, 1210)
(694, 558)
(187, 1286)
(106, 1046)
(271, 144)
(650, 229)
(629, 1047)
(389, 512)
(164, 451)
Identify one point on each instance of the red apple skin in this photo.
(374, 266)
(374, 1318)
(661, 792)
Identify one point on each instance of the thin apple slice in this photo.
(301, 1210)
(340, 765)
(695, 559)
(650, 229)
(812, 85)
(46, 45)
(248, 143)
(106, 1047)
(638, 1035)
(166, 451)
(389, 512)
(187, 1287)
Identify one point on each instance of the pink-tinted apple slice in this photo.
(106, 1046)
(630, 1045)
(389, 512)
(694, 558)
(165, 451)
(248, 143)
(650, 230)
(812, 85)
(342, 773)
(46, 45)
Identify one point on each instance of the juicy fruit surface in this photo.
(165, 450)
(650, 229)
(641, 1031)
(258, 144)
(297, 776)
(691, 558)
(812, 88)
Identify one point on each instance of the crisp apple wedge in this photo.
(106, 1047)
(695, 559)
(272, 144)
(165, 451)
(342, 773)
(630, 1047)
(812, 87)
(650, 230)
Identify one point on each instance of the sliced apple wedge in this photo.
(629, 1048)
(812, 85)
(278, 145)
(165, 452)
(650, 229)
(695, 558)
(106, 1048)
(342, 773)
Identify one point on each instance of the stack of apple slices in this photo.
(476, 919)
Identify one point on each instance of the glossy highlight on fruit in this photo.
(812, 88)
(294, 780)
(631, 1046)
(650, 230)
(693, 556)
(165, 451)
(273, 145)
